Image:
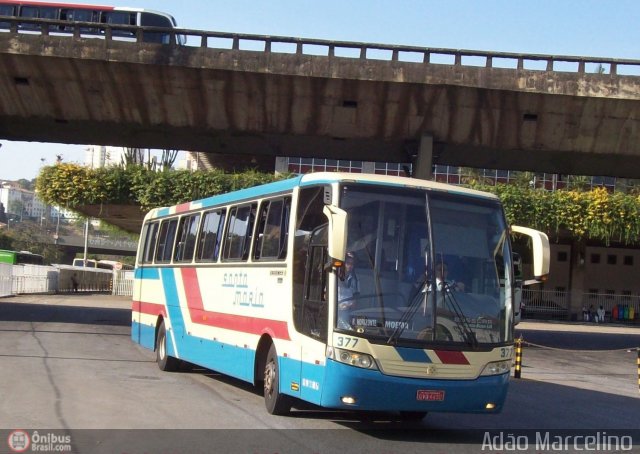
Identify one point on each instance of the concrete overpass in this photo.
(97, 245)
(248, 96)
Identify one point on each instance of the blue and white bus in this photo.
(246, 283)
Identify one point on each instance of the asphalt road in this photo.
(67, 363)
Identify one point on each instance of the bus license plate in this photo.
(430, 395)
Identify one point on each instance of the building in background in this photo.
(21, 204)
(193, 161)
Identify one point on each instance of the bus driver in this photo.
(348, 288)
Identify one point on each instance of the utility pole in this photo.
(86, 241)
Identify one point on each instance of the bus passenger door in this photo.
(315, 317)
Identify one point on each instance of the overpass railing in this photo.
(329, 48)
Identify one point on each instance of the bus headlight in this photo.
(352, 358)
(497, 368)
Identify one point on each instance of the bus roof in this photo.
(312, 179)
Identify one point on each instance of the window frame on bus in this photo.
(217, 236)
(149, 240)
(167, 255)
(152, 19)
(276, 233)
(70, 14)
(37, 12)
(186, 239)
(242, 253)
(107, 17)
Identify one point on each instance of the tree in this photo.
(29, 237)
(168, 158)
(132, 156)
(26, 184)
(3, 214)
(16, 207)
(5, 242)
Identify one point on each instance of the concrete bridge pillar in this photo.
(423, 164)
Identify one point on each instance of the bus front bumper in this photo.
(349, 387)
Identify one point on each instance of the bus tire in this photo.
(276, 403)
(165, 362)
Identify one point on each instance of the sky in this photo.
(605, 28)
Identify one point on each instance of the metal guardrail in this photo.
(123, 283)
(27, 279)
(310, 47)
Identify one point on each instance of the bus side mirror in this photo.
(541, 252)
(337, 247)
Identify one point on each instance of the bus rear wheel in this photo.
(276, 403)
(165, 362)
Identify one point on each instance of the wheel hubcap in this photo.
(269, 377)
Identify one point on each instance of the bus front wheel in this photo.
(165, 362)
(276, 403)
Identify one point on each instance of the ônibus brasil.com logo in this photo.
(19, 441)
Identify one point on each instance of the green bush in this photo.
(71, 185)
(595, 215)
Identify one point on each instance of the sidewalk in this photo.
(577, 327)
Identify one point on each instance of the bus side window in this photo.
(155, 20)
(80, 15)
(315, 309)
(210, 236)
(271, 241)
(187, 238)
(150, 234)
(30, 12)
(38, 12)
(166, 240)
(239, 232)
(119, 18)
(6, 10)
(48, 13)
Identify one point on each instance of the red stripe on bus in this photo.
(252, 325)
(183, 207)
(449, 357)
(148, 308)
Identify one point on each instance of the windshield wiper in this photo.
(407, 315)
(460, 320)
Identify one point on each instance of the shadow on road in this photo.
(49, 313)
(531, 406)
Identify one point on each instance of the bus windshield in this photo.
(424, 267)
